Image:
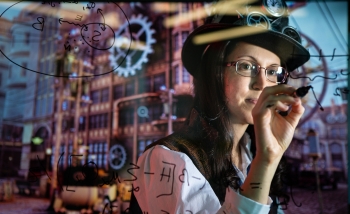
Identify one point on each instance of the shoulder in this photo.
(170, 179)
(160, 154)
(184, 143)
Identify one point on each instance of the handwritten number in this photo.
(99, 34)
(336, 93)
(128, 170)
(136, 189)
(41, 22)
(183, 177)
(90, 5)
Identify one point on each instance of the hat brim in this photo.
(291, 53)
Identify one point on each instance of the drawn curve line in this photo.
(304, 77)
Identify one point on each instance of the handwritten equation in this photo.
(93, 35)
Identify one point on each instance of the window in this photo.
(42, 49)
(65, 105)
(159, 80)
(70, 148)
(92, 122)
(333, 133)
(47, 66)
(10, 71)
(95, 96)
(43, 106)
(130, 88)
(176, 42)
(27, 38)
(157, 110)
(336, 152)
(98, 153)
(177, 74)
(126, 116)
(185, 75)
(98, 121)
(41, 67)
(154, 113)
(82, 122)
(50, 104)
(117, 92)
(144, 85)
(105, 95)
(37, 107)
(103, 120)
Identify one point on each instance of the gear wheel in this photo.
(141, 33)
(117, 156)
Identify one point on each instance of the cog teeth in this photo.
(130, 68)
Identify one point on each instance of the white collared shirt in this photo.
(168, 182)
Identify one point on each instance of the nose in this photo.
(260, 81)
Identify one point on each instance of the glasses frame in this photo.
(234, 63)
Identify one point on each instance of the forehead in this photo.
(243, 50)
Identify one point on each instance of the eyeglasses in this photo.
(246, 68)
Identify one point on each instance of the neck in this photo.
(238, 132)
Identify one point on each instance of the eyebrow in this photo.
(255, 60)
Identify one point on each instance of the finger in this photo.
(278, 106)
(277, 90)
(297, 107)
(296, 111)
(284, 98)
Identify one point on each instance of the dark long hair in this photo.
(210, 101)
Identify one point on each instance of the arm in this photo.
(273, 134)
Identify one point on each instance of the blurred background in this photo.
(86, 86)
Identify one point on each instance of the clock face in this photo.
(275, 7)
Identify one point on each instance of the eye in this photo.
(271, 72)
(244, 65)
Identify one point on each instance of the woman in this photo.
(227, 157)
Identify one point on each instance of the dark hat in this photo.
(272, 32)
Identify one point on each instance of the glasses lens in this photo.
(246, 68)
(276, 73)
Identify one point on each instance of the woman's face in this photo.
(242, 92)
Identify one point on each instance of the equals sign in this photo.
(255, 185)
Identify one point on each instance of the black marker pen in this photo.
(300, 92)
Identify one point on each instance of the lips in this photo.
(252, 100)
